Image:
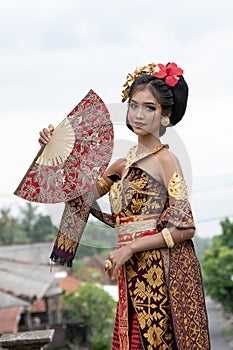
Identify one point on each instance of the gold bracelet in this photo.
(168, 238)
(103, 185)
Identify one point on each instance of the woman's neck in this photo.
(148, 142)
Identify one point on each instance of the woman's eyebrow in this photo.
(144, 103)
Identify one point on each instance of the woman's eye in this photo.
(146, 108)
(150, 108)
(133, 106)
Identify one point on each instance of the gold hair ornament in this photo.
(168, 238)
(151, 69)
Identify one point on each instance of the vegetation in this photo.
(30, 226)
(218, 267)
(94, 309)
(202, 245)
(98, 239)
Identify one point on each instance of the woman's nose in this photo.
(139, 112)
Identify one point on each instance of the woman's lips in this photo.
(138, 124)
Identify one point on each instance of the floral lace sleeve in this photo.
(177, 210)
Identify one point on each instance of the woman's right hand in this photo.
(45, 135)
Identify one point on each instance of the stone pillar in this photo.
(28, 319)
(32, 340)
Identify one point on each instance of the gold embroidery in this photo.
(135, 226)
(137, 204)
(137, 194)
(65, 243)
(147, 290)
(177, 187)
(179, 215)
(116, 196)
(75, 216)
(145, 272)
(141, 182)
(132, 156)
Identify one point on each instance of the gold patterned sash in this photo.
(134, 226)
(129, 229)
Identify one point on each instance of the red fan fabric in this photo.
(86, 162)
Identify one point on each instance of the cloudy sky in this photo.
(54, 51)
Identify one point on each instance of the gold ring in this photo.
(108, 265)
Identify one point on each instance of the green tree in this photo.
(29, 217)
(226, 238)
(93, 308)
(202, 245)
(29, 226)
(89, 274)
(7, 226)
(97, 239)
(98, 236)
(44, 230)
(218, 267)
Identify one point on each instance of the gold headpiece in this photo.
(151, 69)
(170, 73)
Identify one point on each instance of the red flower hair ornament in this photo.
(170, 73)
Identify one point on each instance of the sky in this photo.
(53, 52)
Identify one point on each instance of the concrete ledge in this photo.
(32, 340)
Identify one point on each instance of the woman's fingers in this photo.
(117, 258)
(112, 273)
(45, 135)
(51, 127)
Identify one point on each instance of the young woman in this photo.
(161, 300)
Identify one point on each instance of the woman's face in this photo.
(144, 113)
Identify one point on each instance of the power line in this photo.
(214, 219)
(211, 188)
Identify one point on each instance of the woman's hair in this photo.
(172, 99)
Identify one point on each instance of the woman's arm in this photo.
(120, 256)
(104, 183)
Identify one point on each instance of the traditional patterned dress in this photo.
(161, 302)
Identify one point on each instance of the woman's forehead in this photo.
(144, 96)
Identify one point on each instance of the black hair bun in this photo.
(180, 94)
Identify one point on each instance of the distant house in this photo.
(30, 288)
(70, 284)
(24, 286)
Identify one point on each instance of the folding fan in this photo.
(76, 155)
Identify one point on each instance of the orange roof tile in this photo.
(70, 284)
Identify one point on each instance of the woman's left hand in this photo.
(118, 257)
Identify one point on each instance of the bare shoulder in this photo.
(169, 164)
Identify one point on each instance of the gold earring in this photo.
(165, 121)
